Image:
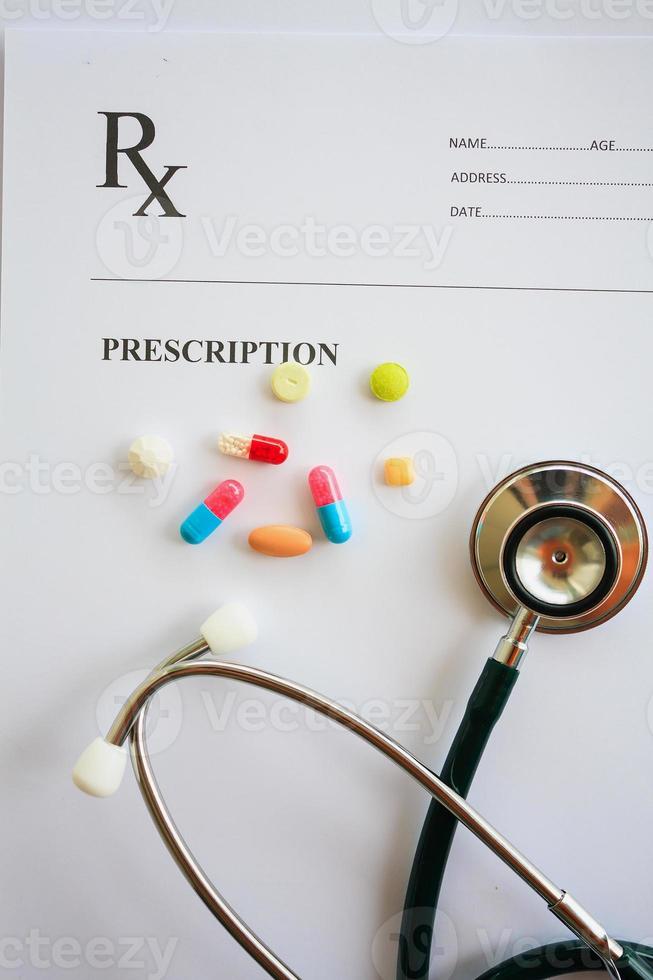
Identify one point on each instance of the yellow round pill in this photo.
(291, 382)
(389, 382)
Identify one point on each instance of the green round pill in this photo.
(389, 382)
(291, 382)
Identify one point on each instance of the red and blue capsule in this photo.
(210, 514)
(262, 449)
(331, 508)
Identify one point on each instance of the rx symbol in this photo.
(156, 185)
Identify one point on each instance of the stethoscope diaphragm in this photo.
(563, 540)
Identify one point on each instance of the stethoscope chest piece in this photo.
(563, 540)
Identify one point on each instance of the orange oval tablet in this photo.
(280, 540)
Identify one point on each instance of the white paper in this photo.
(317, 196)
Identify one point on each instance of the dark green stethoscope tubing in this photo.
(570, 956)
(484, 708)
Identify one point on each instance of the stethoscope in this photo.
(558, 547)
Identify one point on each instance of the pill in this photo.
(211, 513)
(331, 508)
(389, 382)
(263, 449)
(280, 540)
(150, 456)
(399, 471)
(291, 382)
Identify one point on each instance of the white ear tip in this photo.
(230, 627)
(100, 768)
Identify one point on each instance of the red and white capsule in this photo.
(262, 449)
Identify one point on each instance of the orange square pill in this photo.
(399, 471)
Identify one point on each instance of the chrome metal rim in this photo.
(562, 539)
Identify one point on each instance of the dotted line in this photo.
(575, 149)
(579, 149)
(564, 217)
(584, 183)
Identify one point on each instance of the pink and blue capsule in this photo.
(331, 508)
(210, 514)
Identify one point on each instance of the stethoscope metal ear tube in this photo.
(129, 710)
(558, 900)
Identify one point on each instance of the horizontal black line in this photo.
(379, 285)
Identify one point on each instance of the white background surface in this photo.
(308, 833)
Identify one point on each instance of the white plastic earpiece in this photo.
(230, 627)
(100, 768)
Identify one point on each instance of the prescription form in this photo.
(184, 212)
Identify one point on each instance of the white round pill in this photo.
(150, 456)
